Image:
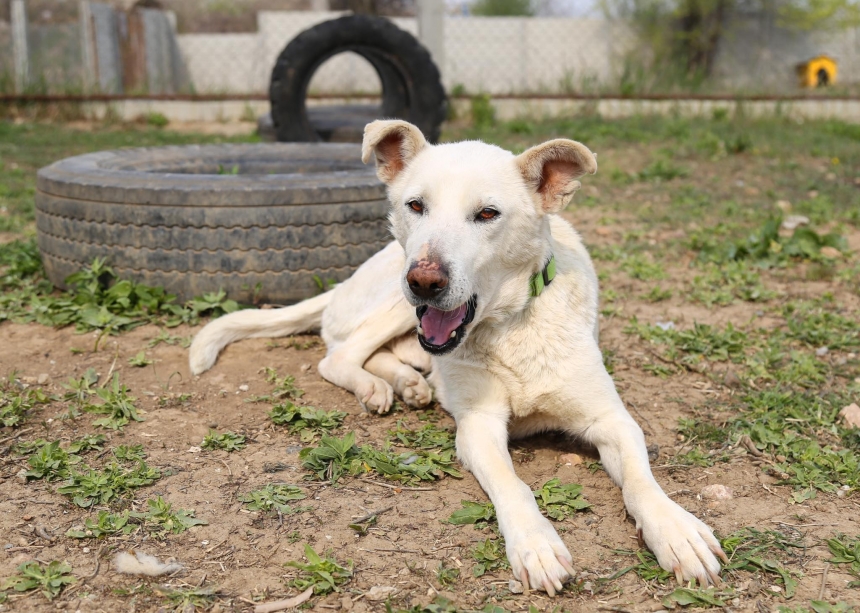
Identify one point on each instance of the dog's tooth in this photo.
(453, 334)
(420, 330)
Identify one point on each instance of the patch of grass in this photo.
(489, 556)
(845, 550)
(97, 298)
(105, 524)
(50, 463)
(429, 436)
(188, 599)
(16, 402)
(725, 283)
(324, 575)
(480, 514)
(661, 170)
(129, 453)
(647, 568)
(169, 339)
(285, 388)
(50, 579)
(274, 498)
(559, 501)
(658, 294)
(139, 360)
(93, 486)
(116, 404)
(748, 547)
(160, 518)
(306, 421)
(79, 391)
(90, 442)
(766, 247)
(815, 325)
(641, 267)
(696, 598)
(226, 441)
(333, 458)
(701, 341)
(446, 576)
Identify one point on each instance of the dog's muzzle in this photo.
(441, 331)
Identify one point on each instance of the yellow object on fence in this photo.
(820, 71)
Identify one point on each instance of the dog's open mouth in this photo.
(441, 331)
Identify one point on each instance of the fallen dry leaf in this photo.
(851, 415)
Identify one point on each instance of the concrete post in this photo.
(20, 51)
(431, 30)
(88, 52)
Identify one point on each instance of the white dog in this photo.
(503, 296)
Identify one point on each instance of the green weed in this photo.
(429, 436)
(331, 458)
(723, 284)
(489, 556)
(116, 404)
(845, 550)
(158, 519)
(129, 453)
(638, 266)
(95, 486)
(139, 360)
(90, 442)
(161, 516)
(188, 599)
(285, 388)
(481, 514)
(324, 575)
(273, 498)
(50, 463)
(446, 576)
(647, 568)
(559, 501)
(50, 579)
(695, 597)
(16, 403)
(306, 421)
(748, 547)
(226, 441)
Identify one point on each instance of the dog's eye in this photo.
(416, 205)
(486, 214)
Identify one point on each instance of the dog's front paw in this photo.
(682, 543)
(414, 390)
(375, 395)
(538, 556)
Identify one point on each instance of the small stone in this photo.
(775, 589)
(822, 351)
(813, 193)
(588, 587)
(194, 449)
(736, 602)
(305, 368)
(831, 252)
(570, 459)
(86, 550)
(43, 378)
(8, 546)
(653, 451)
(830, 176)
(716, 492)
(515, 586)
(665, 325)
(22, 475)
(783, 205)
(794, 221)
(244, 387)
(380, 592)
(603, 231)
(732, 380)
(851, 415)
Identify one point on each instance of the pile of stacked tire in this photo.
(270, 223)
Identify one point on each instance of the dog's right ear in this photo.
(394, 142)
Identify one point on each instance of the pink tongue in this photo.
(438, 325)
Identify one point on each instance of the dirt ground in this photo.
(243, 553)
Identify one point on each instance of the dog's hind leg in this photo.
(406, 381)
(344, 363)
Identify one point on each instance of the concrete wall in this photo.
(494, 55)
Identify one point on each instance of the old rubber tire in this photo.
(291, 216)
(411, 86)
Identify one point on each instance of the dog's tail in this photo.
(302, 317)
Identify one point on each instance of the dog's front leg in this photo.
(682, 543)
(537, 554)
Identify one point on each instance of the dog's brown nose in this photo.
(427, 279)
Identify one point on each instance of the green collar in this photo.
(541, 279)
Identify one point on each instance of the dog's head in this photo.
(471, 218)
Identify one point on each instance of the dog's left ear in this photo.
(552, 170)
(394, 142)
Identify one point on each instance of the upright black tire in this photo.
(278, 217)
(411, 86)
